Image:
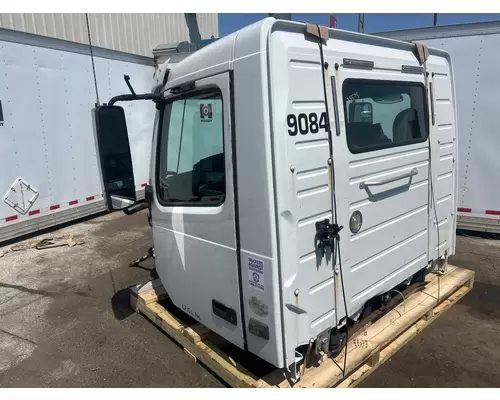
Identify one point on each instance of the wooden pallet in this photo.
(369, 347)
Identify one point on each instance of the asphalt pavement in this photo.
(65, 320)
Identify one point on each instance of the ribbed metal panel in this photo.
(131, 33)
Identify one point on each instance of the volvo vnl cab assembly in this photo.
(297, 174)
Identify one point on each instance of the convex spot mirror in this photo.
(115, 156)
(361, 112)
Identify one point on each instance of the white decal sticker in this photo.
(256, 273)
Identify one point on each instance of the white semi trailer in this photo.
(298, 175)
(474, 49)
(49, 169)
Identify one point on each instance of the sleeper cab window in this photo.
(383, 114)
(191, 168)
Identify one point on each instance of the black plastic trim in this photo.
(433, 117)
(236, 206)
(335, 106)
(226, 313)
(412, 69)
(361, 64)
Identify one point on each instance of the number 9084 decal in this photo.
(306, 123)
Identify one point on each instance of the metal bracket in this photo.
(326, 234)
(293, 370)
(322, 342)
(127, 81)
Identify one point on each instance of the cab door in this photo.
(193, 211)
(381, 158)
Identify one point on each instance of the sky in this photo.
(229, 23)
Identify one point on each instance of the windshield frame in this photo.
(163, 136)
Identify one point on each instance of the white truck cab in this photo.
(298, 174)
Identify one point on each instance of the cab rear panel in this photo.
(386, 179)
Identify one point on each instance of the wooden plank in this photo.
(391, 326)
(363, 372)
(367, 350)
(150, 292)
(197, 332)
(214, 358)
(381, 332)
(373, 360)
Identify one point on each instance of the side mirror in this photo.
(361, 112)
(115, 156)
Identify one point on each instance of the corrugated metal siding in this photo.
(131, 33)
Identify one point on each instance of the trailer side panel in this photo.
(47, 134)
(473, 50)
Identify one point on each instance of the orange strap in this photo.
(422, 53)
(312, 29)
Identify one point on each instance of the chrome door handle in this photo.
(413, 172)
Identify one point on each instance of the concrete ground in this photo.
(65, 320)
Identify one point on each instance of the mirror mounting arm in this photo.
(135, 209)
(148, 199)
(131, 97)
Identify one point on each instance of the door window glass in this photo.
(191, 168)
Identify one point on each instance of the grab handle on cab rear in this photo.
(413, 172)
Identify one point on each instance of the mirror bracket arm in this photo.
(135, 208)
(148, 199)
(131, 97)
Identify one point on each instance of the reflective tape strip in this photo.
(51, 208)
(475, 211)
(492, 212)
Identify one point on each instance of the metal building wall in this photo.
(130, 33)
